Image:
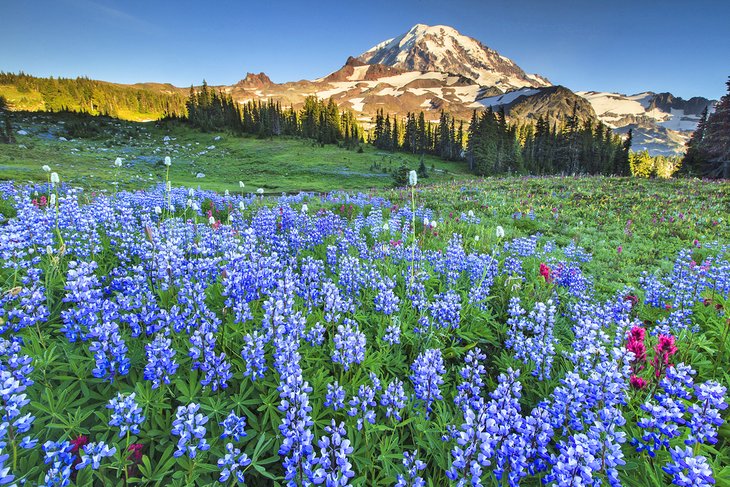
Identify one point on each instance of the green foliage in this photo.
(400, 176)
(708, 150)
(93, 97)
(283, 163)
(323, 122)
(495, 147)
(646, 166)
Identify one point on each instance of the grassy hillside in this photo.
(129, 102)
(277, 164)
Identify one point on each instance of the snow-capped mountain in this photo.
(443, 48)
(661, 123)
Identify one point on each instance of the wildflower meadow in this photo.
(519, 331)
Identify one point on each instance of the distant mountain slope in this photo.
(443, 48)
(661, 123)
(554, 103)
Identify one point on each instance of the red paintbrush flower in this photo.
(637, 382)
(546, 272)
(664, 349)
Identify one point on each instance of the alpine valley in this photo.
(435, 68)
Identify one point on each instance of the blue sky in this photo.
(623, 46)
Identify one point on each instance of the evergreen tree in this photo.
(692, 159)
(708, 152)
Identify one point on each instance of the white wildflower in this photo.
(425, 222)
(190, 203)
(470, 214)
(305, 208)
(260, 191)
(54, 178)
(49, 250)
(386, 227)
(500, 231)
(47, 168)
(158, 210)
(227, 193)
(240, 183)
(168, 161)
(118, 162)
(413, 178)
(476, 238)
(241, 206)
(53, 199)
(211, 220)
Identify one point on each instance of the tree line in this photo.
(322, 121)
(708, 150)
(492, 145)
(85, 95)
(417, 136)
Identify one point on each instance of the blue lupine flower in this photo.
(189, 425)
(333, 467)
(83, 291)
(392, 332)
(234, 426)
(254, 355)
(295, 426)
(233, 463)
(445, 310)
(349, 344)
(58, 455)
(335, 397)
(394, 399)
(362, 404)
(413, 465)
(531, 337)
(110, 351)
(688, 470)
(315, 335)
(468, 462)
(160, 361)
(470, 389)
(215, 366)
(705, 416)
(427, 377)
(386, 301)
(93, 454)
(126, 414)
(576, 463)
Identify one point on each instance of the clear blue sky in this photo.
(623, 46)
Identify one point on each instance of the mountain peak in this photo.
(443, 48)
(255, 80)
